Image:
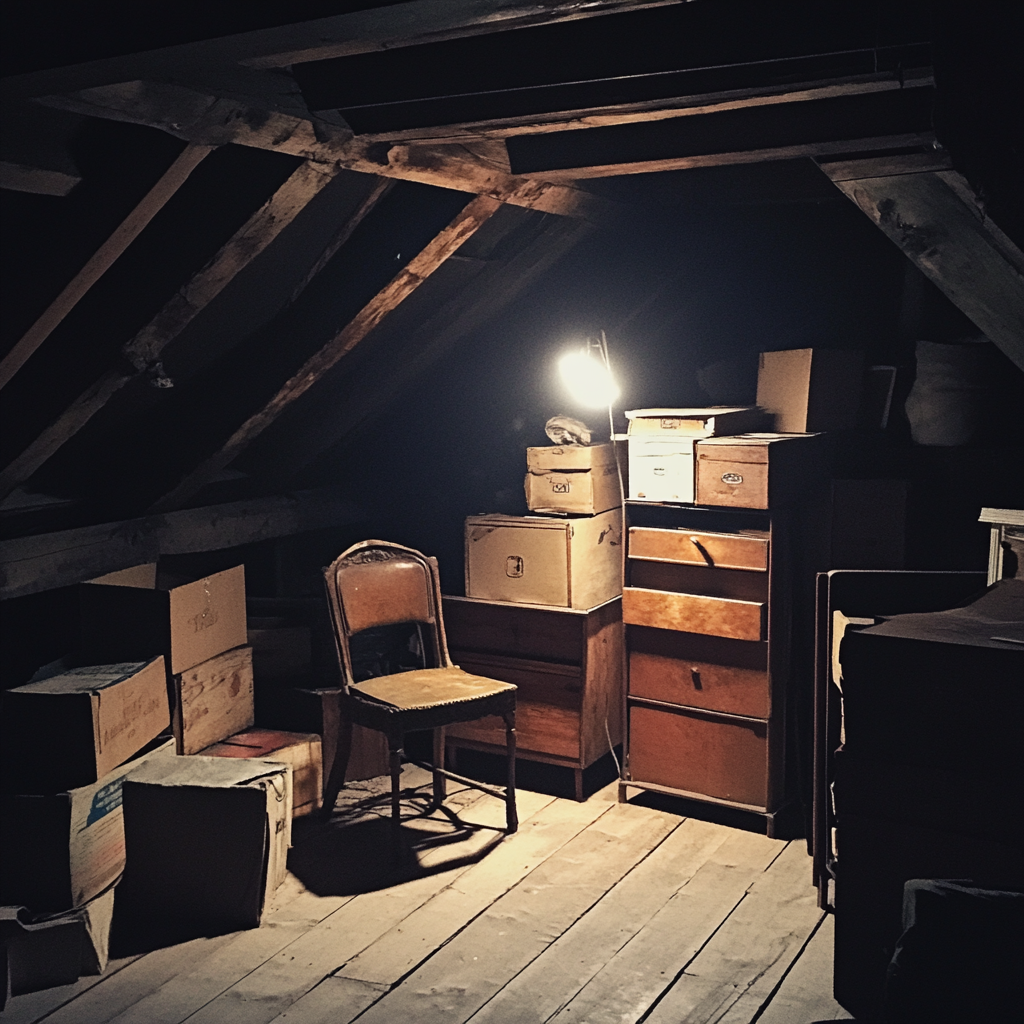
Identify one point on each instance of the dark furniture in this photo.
(376, 584)
(567, 664)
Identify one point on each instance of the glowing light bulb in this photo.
(588, 379)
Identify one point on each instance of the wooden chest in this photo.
(567, 664)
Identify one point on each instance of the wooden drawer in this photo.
(722, 550)
(694, 613)
(741, 584)
(513, 630)
(710, 672)
(547, 705)
(726, 758)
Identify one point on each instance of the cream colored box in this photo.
(661, 469)
(573, 479)
(564, 563)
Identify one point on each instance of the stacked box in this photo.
(206, 840)
(580, 479)
(661, 446)
(301, 750)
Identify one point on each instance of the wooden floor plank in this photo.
(562, 970)
(397, 952)
(735, 973)
(34, 1006)
(478, 962)
(641, 971)
(805, 996)
(274, 985)
(332, 1000)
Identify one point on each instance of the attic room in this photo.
(288, 288)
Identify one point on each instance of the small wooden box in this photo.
(703, 754)
(567, 563)
(213, 701)
(758, 470)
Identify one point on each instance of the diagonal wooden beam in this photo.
(198, 116)
(936, 220)
(306, 182)
(443, 245)
(103, 259)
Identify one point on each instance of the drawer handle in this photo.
(695, 541)
(695, 676)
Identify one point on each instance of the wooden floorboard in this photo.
(593, 912)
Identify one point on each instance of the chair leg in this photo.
(511, 817)
(440, 789)
(579, 784)
(395, 744)
(338, 743)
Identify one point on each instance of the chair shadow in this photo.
(355, 850)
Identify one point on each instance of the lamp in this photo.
(588, 376)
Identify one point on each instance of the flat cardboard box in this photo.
(811, 389)
(188, 624)
(61, 851)
(709, 421)
(301, 750)
(214, 700)
(73, 728)
(566, 563)
(661, 468)
(206, 840)
(44, 951)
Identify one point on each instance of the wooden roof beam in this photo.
(145, 349)
(205, 118)
(103, 259)
(443, 245)
(933, 215)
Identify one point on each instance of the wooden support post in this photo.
(458, 231)
(103, 259)
(145, 348)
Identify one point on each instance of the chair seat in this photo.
(426, 688)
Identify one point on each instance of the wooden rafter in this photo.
(936, 220)
(43, 561)
(103, 259)
(443, 245)
(306, 182)
(202, 117)
(481, 300)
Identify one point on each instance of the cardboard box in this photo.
(45, 951)
(75, 727)
(574, 479)
(566, 563)
(811, 389)
(188, 624)
(206, 840)
(661, 470)
(301, 750)
(710, 421)
(61, 851)
(759, 470)
(213, 701)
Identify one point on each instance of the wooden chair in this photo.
(375, 584)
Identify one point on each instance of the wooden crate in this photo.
(567, 665)
(213, 701)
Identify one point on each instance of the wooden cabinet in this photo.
(707, 625)
(567, 664)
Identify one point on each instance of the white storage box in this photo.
(661, 470)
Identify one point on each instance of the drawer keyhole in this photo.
(695, 541)
(695, 676)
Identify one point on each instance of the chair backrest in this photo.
(376, 583)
